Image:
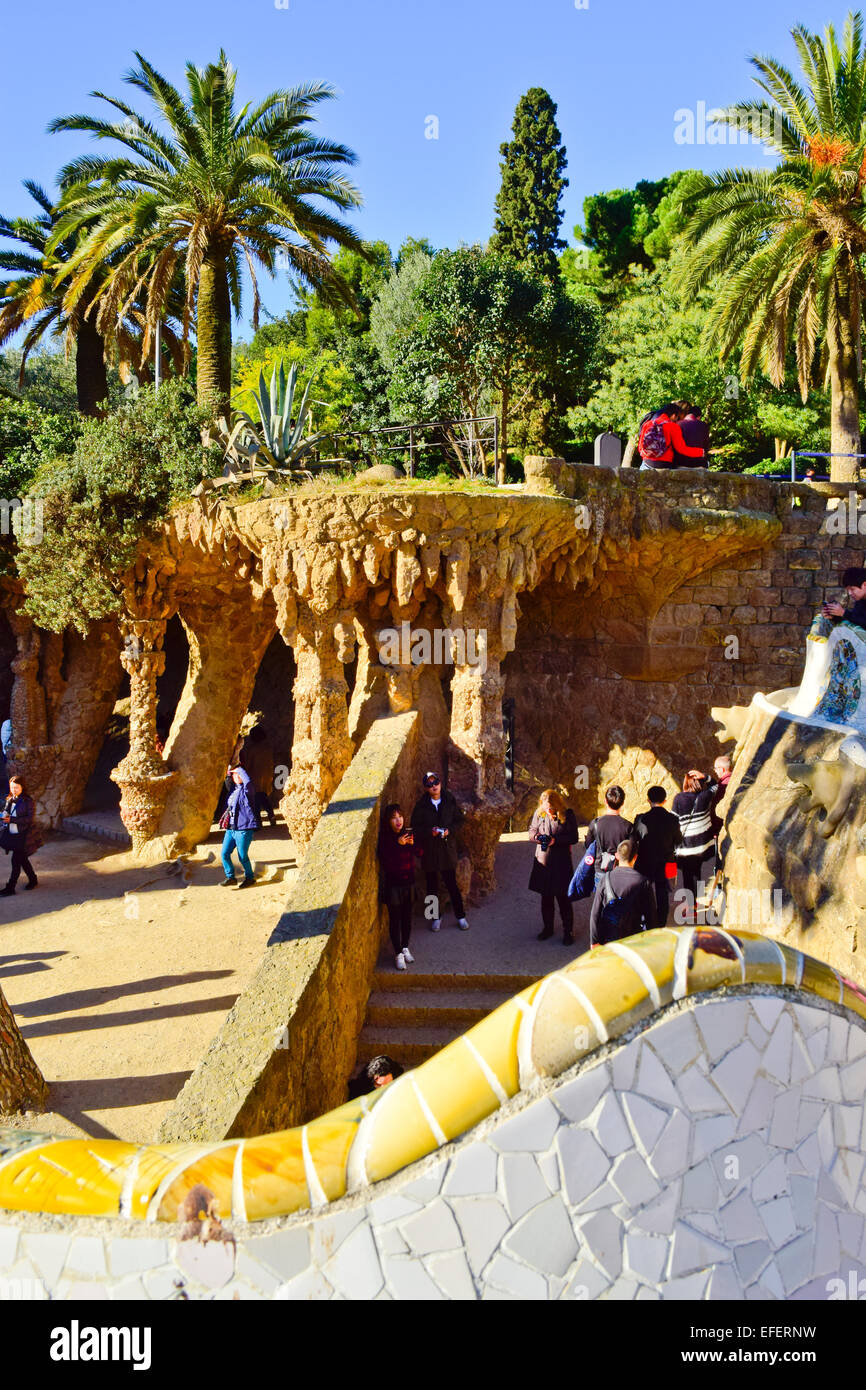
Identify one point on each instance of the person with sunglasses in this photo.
(435, 820)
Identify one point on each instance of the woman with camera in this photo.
(553, 831)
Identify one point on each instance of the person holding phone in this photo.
(398, 857)
(19, 835)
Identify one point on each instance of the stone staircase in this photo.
(410, 1016)
(98, 825)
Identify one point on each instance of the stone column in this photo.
(32, 755)
(142, 776)
(483, 632)
(321, 748)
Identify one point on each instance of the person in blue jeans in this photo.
(243, 824)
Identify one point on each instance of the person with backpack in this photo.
(695, 432)
(608, 831)
(625, 903)
(553, 830)
(660, 435)
(658, 834)
(693, 807)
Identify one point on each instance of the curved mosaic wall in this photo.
(539, 1034)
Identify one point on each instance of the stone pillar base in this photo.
(480, 834)
(142, 802)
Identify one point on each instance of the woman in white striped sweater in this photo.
(693, 807)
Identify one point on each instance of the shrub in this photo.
(99, 501)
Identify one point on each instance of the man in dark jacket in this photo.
(658, 834)
(436, 817)
(695, 432)
(608, 831)
(854, 580)
(625, 903)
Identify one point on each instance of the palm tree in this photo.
(220, 188)
(784, 247)
(32, 298)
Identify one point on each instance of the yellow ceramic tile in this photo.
(821, 980)
(454, 1088)
(77, 1176)
(765, 963)
(213, 1171)
(329, 1140)
(399, 1133)
(495, 1038)
(275, 1182)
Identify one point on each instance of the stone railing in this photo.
(596, 1114)
(289, 1043)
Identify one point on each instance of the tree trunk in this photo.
(22, 1085)
(844, 384)
(91, 378)
(502, 461)
(630, 451)
(214, 334)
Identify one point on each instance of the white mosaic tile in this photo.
(693, 1250)
(87, 1256)
(785, 1122)
(758, 1109)
(670, 1156)
(711, 1133)
(483, 1222)
(722, 1025)
(803, 1193)
(529, 1131)
(676, 1041)
(409, 1281)
(585, 1282)
(609, 1127)
(287, 1254)
(602, 1233)
(809, 1118)
(391, 1208)
(585, 1165)
(771, 1181)
(739, 1219)
(578, 1098)
(767, 1010)
(847, 1123)
(801, 1062)
(653, 1081)
(777, 1055)
(128, 1256)
(544, 1237)
(431, 1230)
(688, 1290)
(816, 1045)
(522, 1184)
(778, 1219)
(472, 1171)
(660, 1215)
(329, 1231)
(645, 1120)
(827, 1249)
(698, 1094)
(254, 1273)
(623, 1067)
(735, 1074)
(823, 1085)
(852, 1233)
(700, 1189)
(751, 1258)
(645, 1255)
(794, 1263)
(724, 1286)
(856, 1044)
(633, 1179)
(430, 1185)
(852, 1080)
(354, 1270)
(624, 1290)
(605, 1196)
(79, 1291)
(8, 1245)
(515, 1279)
(837, 1047)
(305, 1288)
(390, 1241)
(549, 1169)
(771, 1281)
(452, 1275)
(48, 1254)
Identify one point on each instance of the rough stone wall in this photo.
(574, 654)
(614, 1181)
(289, 1043)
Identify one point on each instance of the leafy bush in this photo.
(99, 501)
(27, 434)
(782, 467)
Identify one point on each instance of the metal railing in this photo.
(463, 436)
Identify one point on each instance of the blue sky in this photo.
(617, 69)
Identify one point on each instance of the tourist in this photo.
(258, 759)
(378, 1072)
(607, 832)
(240, 824)
(722, 769)
(397, 856)
(854, 581)
(658, 834)
(693, 807)
(695, 432)
(436, 818)
(625, 904)
(5, 748)
(20, 835)
(659, 436)
(553, 830)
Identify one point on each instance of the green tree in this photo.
(221, 188)
(528, 205)
(783, 248)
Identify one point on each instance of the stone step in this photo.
(408, 1046)
(504, 985)
(98, 825)
(457, 1008)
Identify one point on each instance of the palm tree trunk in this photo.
(91, 378)
(214, 334)
(844, 383)
(22, 1085)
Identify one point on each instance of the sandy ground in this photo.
(120, 976)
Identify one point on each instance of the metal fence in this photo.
(469, 439)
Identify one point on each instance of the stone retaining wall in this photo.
(289, 1043)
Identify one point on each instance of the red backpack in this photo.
(653, 443)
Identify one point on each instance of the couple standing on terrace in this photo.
(674, 436)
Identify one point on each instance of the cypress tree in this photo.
(528, 212)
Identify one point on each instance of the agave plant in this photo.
(274, 440)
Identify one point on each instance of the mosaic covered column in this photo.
(476, 759)
(142, 776)
(322, 748)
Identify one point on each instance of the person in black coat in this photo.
(553, 830)
(625, 904)
(20, 835)
(658, 835)
(436, 818)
